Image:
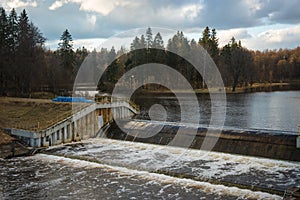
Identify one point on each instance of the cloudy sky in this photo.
(259, 24)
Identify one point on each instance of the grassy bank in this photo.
(256, 87)
(31, 114)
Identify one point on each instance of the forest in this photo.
(28, 67)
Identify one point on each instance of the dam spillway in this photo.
(259, 143)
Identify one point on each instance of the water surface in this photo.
(262, 110)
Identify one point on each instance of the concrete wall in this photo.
(82, 125)
(252, 143)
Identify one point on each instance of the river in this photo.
(261, 110)
(109, 169)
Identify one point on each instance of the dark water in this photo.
(263, 110)
(52, 177)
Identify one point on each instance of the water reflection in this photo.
(272, 110)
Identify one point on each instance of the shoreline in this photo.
(273, 87)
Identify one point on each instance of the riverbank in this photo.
(10, 146)
(256, 87)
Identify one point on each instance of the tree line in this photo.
(26, 66)
(238, 65)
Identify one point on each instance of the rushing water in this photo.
(262, 110)
(110, 169)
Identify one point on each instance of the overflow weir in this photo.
(258, 143)
(97, 120)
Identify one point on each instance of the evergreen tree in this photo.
(3, 50)
(237, 59)
(143, 42)
(13, 31)
(209, 41)
(158, 42)
(205, 40)
(149, 39)
(135, 44)
(66, 53)
(213, 45)
(3, 31)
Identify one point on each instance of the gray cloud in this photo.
(278, 11)
(93, 21)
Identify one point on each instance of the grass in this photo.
(31, 114)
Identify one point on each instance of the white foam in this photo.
(188, 183)
(153, 157)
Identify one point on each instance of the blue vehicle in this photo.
(72, 99)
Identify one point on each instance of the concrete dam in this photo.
(98, 120)
(258, 143)
(84, 123)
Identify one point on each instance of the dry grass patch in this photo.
(31, 114)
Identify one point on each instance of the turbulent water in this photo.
(110, 169)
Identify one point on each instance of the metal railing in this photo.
(44, 124)
(110, 99)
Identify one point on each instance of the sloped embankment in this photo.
(10, 147)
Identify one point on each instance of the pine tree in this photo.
(213, 45)
(205, 40)
(66, 53)
(20, 47)
(13, 31)
(3, 50)
(143, 42)
(149, 39)
(3, 30)
(158, 42)
(209, 41)
(66, 44)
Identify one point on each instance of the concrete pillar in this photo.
(64, 134)
(92, 125)
(60, 139)
(53, 137)
(87, 126)
(31, 142)
(76, 129)
(96, 123)
(68, 132)
(83, 127)
(79, 128)
(45, 142)
(37, 142)
(72, 131)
